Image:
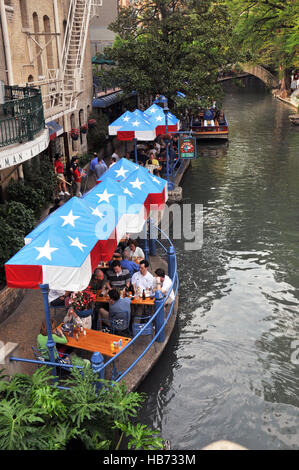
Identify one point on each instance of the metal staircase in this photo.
(73, 52)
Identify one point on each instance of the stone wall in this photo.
(9, 299)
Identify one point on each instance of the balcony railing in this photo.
(21, 115)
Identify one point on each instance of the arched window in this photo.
(73, 125)
(24, 14)
(37, 48)
(49, 50)
(30, 79)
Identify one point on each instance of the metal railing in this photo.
(21, 115)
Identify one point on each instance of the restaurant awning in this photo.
(55, 129)
(109, 100)
(102, 60)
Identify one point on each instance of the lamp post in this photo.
(169, 183)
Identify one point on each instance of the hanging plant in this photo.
(84, 128)
(91, 123)
(75, 133)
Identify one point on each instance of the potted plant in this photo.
(84, 128)
(75, 133)
(82, 302)
(91, 123)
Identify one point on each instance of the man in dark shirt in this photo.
(119, 310)
(118, 277)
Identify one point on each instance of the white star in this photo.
(69, 219)
(155, 180)
(126, 191)
(45, 251)
(135, 123)
(97, 212)
(159, 118)
(76, 242)
(126, 119)
(153, 110)
(105, 196)
(137, 184)
(121, 172)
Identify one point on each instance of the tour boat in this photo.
(210, 129)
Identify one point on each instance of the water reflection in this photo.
(227, 373)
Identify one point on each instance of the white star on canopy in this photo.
(97, 212)
(153, 110)
(121, 172)
(127, 191)
(135, 123)
(76, 242)
(159, 118)
(69, 219)
(105, 196)
(155, 180)
(45, 251)
(137, 184)
(126, 119)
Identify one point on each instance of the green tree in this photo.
(267, 32)
(165, 46)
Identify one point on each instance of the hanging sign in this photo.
(187, 147)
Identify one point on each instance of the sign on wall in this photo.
(187, 147)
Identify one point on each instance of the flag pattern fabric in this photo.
(156, 116)
(64, 249)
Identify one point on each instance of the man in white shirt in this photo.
(164, 284)
(143, 279)
(114, 155)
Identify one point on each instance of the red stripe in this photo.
(26, 277)
(125, 135)
(162, 129)
(107, 247)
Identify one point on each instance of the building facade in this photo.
(46, 46)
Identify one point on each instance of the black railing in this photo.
(21, 115)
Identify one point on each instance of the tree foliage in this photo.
(267, 31)
(36, 415)
(165, 46)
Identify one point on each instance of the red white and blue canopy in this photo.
(156, 117)
(66, 247)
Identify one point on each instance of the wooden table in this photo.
(96, 341)
(134, 301)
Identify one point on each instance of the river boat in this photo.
(294, 118)
(216, 129)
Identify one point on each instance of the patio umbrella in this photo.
(119, 122)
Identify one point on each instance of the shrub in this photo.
(97, 135)
(12, 240)
(32, 198)
(19, 217)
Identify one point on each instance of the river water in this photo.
(230, 370)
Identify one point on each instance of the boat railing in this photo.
(157, 318)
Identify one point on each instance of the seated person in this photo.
(152, 160)
(118, 308)
(164, 284)
(134, 250)
(208, 117)
(118, 277)
(57, 297)
(143, 279)
(98, 281)
(128, 264)
(59, 339)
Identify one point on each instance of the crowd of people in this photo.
(127, 276)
